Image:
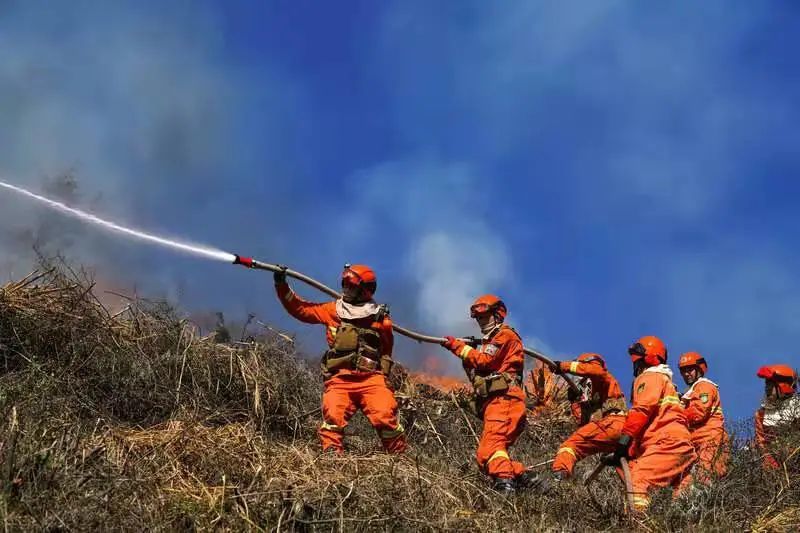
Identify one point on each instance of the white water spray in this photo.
(203, 251)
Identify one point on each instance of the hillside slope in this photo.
(132, 421)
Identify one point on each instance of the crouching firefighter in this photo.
(600, 411)
(359, 358)
(495, 368)
(779, 414)
(655, 436)
(705, 419)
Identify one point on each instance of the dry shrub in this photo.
(133, 421)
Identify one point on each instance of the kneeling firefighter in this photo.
(495, 369)
(359, 358)
(655, 436)
(779, 413)
(705, 419)
(600, 411)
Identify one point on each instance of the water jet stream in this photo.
(203, 251)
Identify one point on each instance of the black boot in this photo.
(504, 485)
(531, 481)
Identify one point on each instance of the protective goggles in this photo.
(637, 349)
(689, 364)
(479, 309)
(350, 279)
(593, 359)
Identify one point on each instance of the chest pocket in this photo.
(355, 348)
(351, 340)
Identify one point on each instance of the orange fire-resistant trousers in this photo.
(503, 421)
(664, 464)
(344, 394)
(595, 437)
(712, 459)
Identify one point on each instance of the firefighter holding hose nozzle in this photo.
(495, 370)
(358, 360)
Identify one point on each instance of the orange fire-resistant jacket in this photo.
(501, 352)
(606, 394)
(656, 409)
(704, 411)
(326, 314)
(707, 425)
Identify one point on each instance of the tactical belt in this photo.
(494, 383)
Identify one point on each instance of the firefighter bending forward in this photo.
(495, 370)
(355, 367)
(655, 436)
(600, 413)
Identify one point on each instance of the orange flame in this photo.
(433, 374)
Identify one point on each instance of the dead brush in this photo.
(133, 420)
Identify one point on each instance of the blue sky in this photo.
(611, 169)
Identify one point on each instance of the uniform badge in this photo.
(704, 397)
(491, 349)
(640, 388)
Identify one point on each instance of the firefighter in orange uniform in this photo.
(495, 370)
(655, 436)
(601, 411)
(779, 413)
(705, 419)
(355, 367)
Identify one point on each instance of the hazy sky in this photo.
(611, 169)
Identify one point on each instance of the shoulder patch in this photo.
(640, 388)
(704, 397)
(490, 349)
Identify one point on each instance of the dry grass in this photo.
(134, 421)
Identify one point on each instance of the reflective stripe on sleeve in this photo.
(573, 367)
(464, 352)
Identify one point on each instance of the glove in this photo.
(450, 343)
(280, 275)
(615, 459)
(557, 368)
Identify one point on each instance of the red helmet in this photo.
(488, 303)
(782, 375)
(693, 359)
(592, 358)
(650, 349)
(360, 276)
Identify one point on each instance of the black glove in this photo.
(557, 368)
(614, 459)
(280, 275)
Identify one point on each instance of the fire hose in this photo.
(419, 337)
(626, 476)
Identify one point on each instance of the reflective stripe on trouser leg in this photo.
(499, 454)
(386, 434)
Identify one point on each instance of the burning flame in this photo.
(546, 389)
(432, 374)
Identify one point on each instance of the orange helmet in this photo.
(362, 277)
(592, 358)
(693, 359)
(782, 375)
(488, 303)
(650, 349)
